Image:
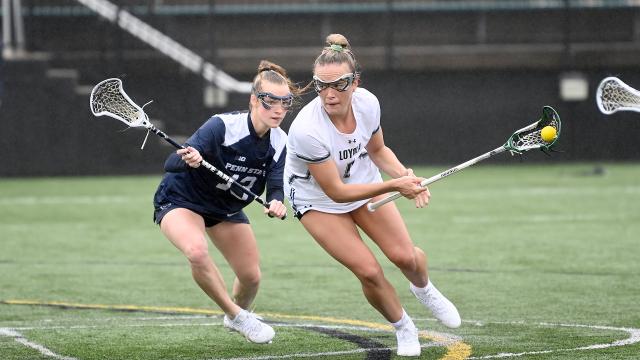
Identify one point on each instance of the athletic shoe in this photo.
(408, 344)
(247, 324)
(441, 308)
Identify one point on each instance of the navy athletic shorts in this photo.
(209, 220)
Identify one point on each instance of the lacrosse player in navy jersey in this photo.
(192, 203)
(335, 152)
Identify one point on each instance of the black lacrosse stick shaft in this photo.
(213, 169)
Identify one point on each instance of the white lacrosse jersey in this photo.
(313, 139)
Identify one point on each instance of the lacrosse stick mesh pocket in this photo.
(614, 95)
(531, 138)
(108, 98)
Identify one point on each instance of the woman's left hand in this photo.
(421, 199)
(276, 209)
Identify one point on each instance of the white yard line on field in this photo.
(634, 337)
(145, 318)
(217, 323)
(82, 327)
(443, 339)
(71, 200)
(490, 193)
(21, 340)
(537, 191)
(540, 218)
(454, 344)
(320, 354)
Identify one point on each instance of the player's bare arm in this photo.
(327, 176)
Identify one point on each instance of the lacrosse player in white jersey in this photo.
(335, 151)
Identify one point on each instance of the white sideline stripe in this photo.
(545, 191)
(450, 338)
(71, 200)
(21, 339)
(313, 355)
(535, 218)
(81, 327)
(120, 199)
(50, 226)
(634, 337)
(146, 318)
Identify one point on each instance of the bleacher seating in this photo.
(439, 67)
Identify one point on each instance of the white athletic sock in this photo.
(238, 317)
(425, 289)
(404, 320)
(429, 285)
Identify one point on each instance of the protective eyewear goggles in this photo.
(269, 100)
(340, 84)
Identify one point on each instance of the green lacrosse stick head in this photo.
(530, 137)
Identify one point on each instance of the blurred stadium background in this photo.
(455, 78)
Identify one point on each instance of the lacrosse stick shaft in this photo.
(374, 205)
(212, 168)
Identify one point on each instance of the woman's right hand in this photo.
(409, 186)
(421, 199)
(191, 156)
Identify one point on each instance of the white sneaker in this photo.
(247, 324)
(408, 343)
(441, 308)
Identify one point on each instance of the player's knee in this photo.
(197, 255)
(250, 278)
(404, 261)
(371, 275)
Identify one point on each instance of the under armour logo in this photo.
(241, 158)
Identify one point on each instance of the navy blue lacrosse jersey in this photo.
(228, 142)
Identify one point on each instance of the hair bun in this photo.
(266, 65)
(337, 40)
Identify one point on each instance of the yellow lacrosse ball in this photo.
(548, 133)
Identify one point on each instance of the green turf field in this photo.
(541, 261)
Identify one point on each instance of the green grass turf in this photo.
(520, 249)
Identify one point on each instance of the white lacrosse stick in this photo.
(614, 95)
(520, 141)
(108, 98)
